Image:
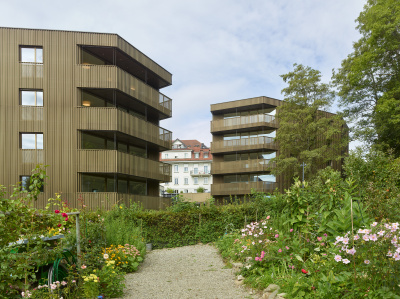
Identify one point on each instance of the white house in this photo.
(191, 166)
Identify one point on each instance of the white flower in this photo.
(105, 256)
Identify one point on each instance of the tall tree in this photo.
(368, 81)
(306, 133)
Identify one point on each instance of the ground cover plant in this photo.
(328, 242)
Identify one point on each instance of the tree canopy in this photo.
(368, 80)
(306, 133)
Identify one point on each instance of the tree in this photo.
(307, 134)
(368, 81)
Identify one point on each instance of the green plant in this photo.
(200, 190)
(111, 280)
(90, 286)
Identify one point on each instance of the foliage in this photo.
(307, 134)
(378, 177)
(111, 280)
(369, 78)
(200, 190)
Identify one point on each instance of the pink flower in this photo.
(319, 239)
(280, 250)
(268, 217)
(277, 235)
(366, 262)
(291, 229)
(325, 235)
(345, 261)
(83, 266)
(57, 211)
(64, 215)
(338, 258)
(287, 247)
(304, 271)
(59, 224)
(66, 219)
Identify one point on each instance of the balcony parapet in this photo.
(113, 161)
(200, 173)
(113, 119)
(244, 144)
(110, 76)
(256, 165)
(242, 188)
(243, 122)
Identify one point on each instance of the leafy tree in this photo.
(200, 190)
(368, 81)
(307, 134)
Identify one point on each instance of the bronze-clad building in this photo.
(242, 146)
(88, 105)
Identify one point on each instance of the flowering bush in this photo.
(126, 257)
(91, 285)
(374, 254)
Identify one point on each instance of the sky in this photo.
(216, 50)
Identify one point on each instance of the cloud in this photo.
(216, 50)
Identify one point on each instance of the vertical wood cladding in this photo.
(60, 119)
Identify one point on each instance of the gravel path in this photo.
(184, 272)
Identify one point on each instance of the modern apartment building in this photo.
(191, 165)
(88, 105)
(243, 145)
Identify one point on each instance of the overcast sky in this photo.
(217, 50)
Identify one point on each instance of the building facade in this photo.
(191, 167)
(88, 105)
(243, 144)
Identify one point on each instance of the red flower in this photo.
(57, 211)
(64, 215)
(66, 218)
(304, 271)
(90, 241)
(59, 224)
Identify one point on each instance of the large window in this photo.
(176, 168)
(206, 169)
(186, 181)
(196, 181)
(31, 140)
(176, 181)
(109, 183)
(205, 181)
(31, 54)
(32, 97)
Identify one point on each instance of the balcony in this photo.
(256, 165)
(244, 144)
(242, 188)
(112, 161)
(200, 173)
(113, 119)
(106, 200)
(109, 76)
(244, 122)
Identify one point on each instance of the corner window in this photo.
(32, 97)
(31, 54)
(31, 140)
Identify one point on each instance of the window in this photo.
(186, 155)
(206, 169)
(186, 181)
(176, 181)
(196, 155)
(32, 97)
(32, 54)
(165, 156)
(32, 141)
(196, 181)
(26, 182)
(205, 181)
(186, 168)
(186, 191)
(196, 170)
(176, 168)
(205, 155)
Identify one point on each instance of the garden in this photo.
(336, 235)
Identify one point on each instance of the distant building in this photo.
(191, 167)
(243, 145)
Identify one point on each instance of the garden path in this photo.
(185, 272)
